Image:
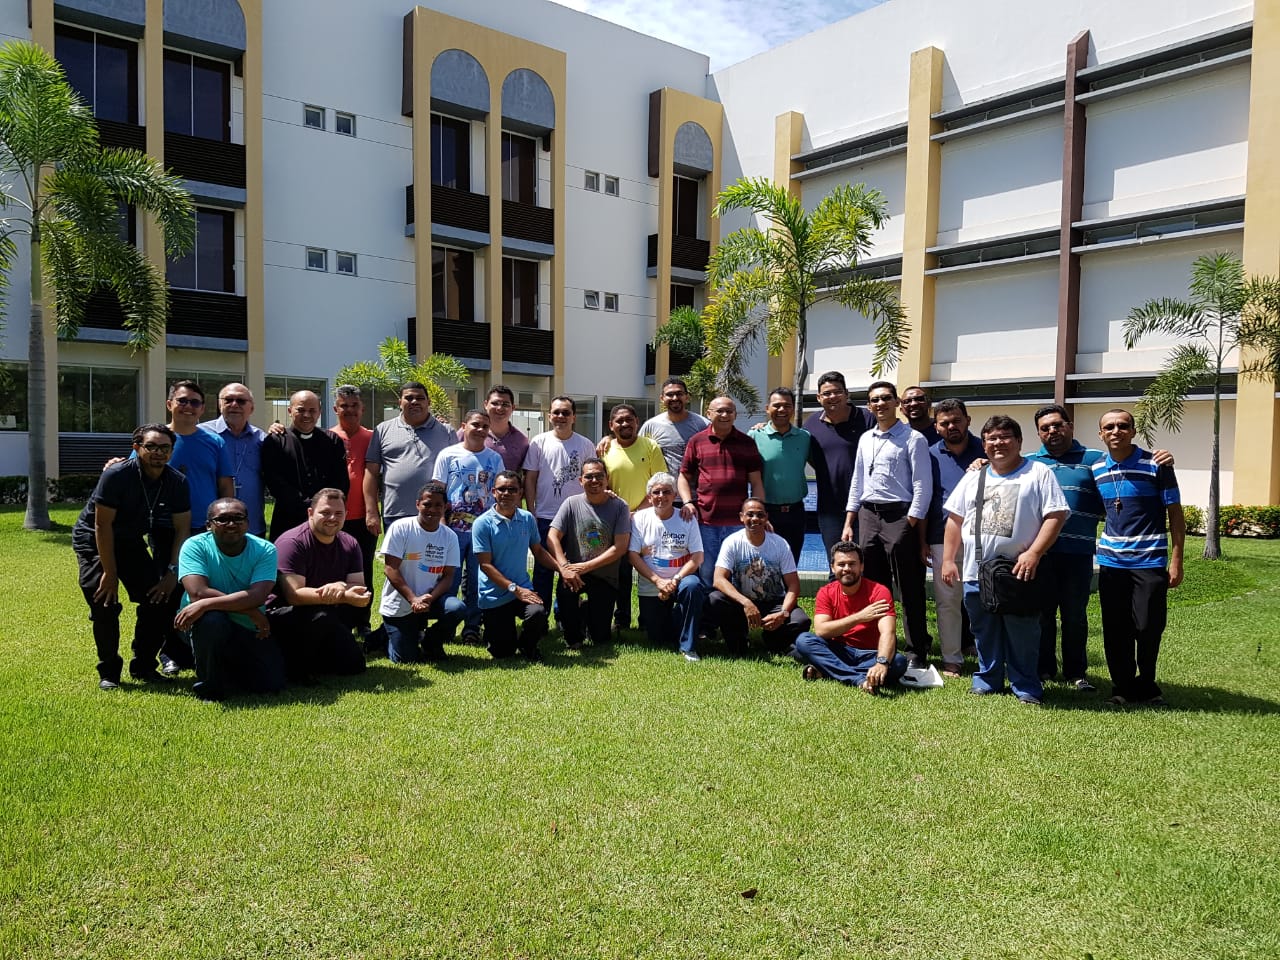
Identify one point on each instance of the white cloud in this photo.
(726, 30)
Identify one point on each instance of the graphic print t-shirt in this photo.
(559, 466)
(468, 479)
(588, 530)
(757, 572)
(423, 555)
(665, 545)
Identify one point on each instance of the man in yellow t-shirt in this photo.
(631, 461)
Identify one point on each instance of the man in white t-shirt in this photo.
(421, 555)
(666, 551)
(552, 474)
(1023, 509)
(756, 585)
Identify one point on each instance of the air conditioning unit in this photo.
(526, 400)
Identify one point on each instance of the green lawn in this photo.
(624, 803)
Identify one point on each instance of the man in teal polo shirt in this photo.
(785, 451)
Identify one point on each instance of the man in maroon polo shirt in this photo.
(719, 462)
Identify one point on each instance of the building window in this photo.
(591, 181)
(519, 292)
(197, 96)
(210, 264)
(681, 295)
(279, 389)
(450, 152)
(13, 396)
(519, 168)
(317, 259)
(97, 400)
(591, 299)
(344, 123)
(313, 117)
(611, 302)
(612, 187)
(453, 284)
(345, 263)
(102, 69)
(684, 207)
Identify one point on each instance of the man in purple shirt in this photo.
(319, 591)
(505, 438)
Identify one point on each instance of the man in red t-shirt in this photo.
(854, 625)
(349, 406)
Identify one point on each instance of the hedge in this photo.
(1236, 520)
(73, 487)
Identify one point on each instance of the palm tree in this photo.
(685, 337)
(1226, 312)
(395, 365)
(767, 280)
(65, 194)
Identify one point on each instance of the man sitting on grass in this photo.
(228, 574)
(321, 592)
(854, 628)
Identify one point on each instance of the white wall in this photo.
(887, 175)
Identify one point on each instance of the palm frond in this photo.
(1217, 283)
(42, 120)
(1187, 366)
(1167, 315)
(1258, 334)
(682, 333)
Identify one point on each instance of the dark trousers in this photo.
(1134, 610)
(138, 571)
(317, 640)
(500, 629)
(544, 578)
(595, 616)
(732, 620)
(788, 523)
(891, 552)
(368, 546)
(626, 580)
(230, 658)
(1064, 580)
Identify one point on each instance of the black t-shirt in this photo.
(142, 506)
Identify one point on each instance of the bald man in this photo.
(300, 461)
(244, 444)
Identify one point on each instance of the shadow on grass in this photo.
(59, 534)
(378, 678)
(1183, 698)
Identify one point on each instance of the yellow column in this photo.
(920, 215)
(42, 33)
(254, 277)
(666, 198)
(493, 256)
(1256, 473)
(154, 361)
(423, 56)
(788, 131)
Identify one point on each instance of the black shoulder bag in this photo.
(1000, 591)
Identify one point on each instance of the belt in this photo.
(879, 508)
(785, 507)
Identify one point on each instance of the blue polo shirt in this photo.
(1074, 473)
(1136, 493)
(948, 470)
(508, 542)
(784, 456)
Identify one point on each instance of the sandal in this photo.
(811, 673)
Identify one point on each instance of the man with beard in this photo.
(631, 460)
(854, 628)
(672, 428)
(835, 429)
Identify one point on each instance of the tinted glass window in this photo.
(519, 169)
(684, 211)
(452, 284)
(177, 92)
(450, 152)
(102, 69)
(74, 50)
(197, 96)
(209, 264)
(519, 293)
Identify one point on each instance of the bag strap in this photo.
(977, 520)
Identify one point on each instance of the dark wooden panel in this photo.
(195, 313)
(689, 253)
(112, 133)
(458, 338)
(102, 311)
(525, 221)
(408, 205)
(87, 452)
(411, 336)
(528, 345)
(463, 209)
(651, 252)
(655, 130)
(210, 161)
(406, 67)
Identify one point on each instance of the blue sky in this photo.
(726, 30)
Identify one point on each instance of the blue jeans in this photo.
(841, 662)
(676, 619)
(1064, 580)
(412, 638)
(543, 579)
(712, 538)
(466, 579)
(1004, 642)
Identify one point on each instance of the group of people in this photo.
(707, 522)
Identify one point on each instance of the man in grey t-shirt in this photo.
(671, 430)
(589, 536)
(402, 454)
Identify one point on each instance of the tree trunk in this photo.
(37, 517)
(1212, 545)
(802, 363)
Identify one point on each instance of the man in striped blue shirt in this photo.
(1139, 558)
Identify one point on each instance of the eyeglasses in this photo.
(506, 489)
(915, 399)
(157, 447)
(499, 403)
(562, 413)
(235, 400)
(1115, 427)
(188, 401)
(886, 398)
(593, 478)
(229, 519)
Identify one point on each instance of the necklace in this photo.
(150, 501)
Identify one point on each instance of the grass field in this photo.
(624, 803)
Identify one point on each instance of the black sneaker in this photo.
(150, 676)
(168, 667)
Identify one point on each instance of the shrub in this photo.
(1235, 520)
(73, 487)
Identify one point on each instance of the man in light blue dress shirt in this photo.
(244, 442)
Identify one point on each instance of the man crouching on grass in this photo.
(854, 628)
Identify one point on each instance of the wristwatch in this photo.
(882, 661)
(512, 587)
(173, 568)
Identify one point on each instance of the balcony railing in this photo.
(113, 133)
(192, 313)
(460, 338)
(525, 221)
(528, 345)
(209, 161)
(678, 364)
(687, 253)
